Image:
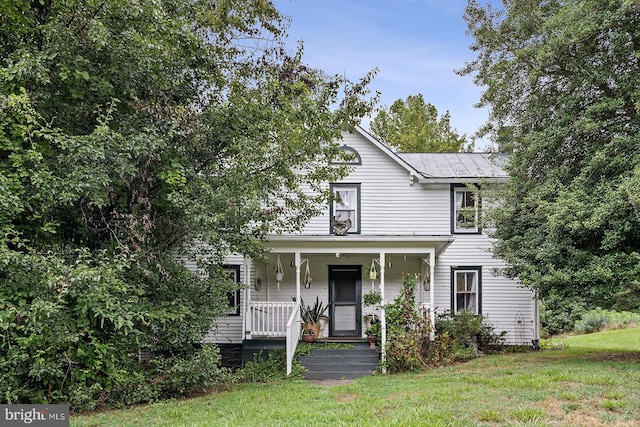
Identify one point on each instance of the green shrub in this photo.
(598, 319)
(273, 368)
(83, 397)
(464, 333)
(628, 299)
(592, 321)
(558, 314)
(129, 387)
(178, 376)
(409, 345)
(71, 324)
(261, 370)
(408, 331)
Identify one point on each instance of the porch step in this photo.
(326, 363)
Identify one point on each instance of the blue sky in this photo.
(416, 44)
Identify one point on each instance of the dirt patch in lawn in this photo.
(614, 357)
(584, 413)
(575, 415)
(348, 397)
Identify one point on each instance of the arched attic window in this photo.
(354, 156)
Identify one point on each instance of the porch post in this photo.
(383, 320)
(293, 324)
(297, 262)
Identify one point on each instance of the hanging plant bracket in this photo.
(307, 274)
(258, 282)
(425, 274)
(278, 272)
(373, 272)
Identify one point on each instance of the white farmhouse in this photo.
(399, 214)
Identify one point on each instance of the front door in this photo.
(345, 283)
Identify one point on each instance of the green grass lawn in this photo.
(592, 380)
(617, 339)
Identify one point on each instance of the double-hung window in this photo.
(345, 208)
(465, 289)
(465, 209)
(232, 273)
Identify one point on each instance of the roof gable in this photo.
(389, 152)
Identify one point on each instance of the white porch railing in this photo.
(293, 334)
(269, 319)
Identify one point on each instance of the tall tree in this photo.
(128, 131)
(564, 76)
(413, 126)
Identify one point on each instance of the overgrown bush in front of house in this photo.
(180, 375)
(160, 378)
(408, 331)
(599, 319)
(463, 334)
(457, 336)
(71, 325)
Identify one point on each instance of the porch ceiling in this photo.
(359, 244)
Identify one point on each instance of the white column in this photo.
(297, 262)
(383, 320)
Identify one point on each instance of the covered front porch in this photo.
(336, 270)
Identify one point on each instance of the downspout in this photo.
(535, 342)
(383, 320)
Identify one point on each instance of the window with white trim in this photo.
(466, 285)
(465, 210)
(345, 209)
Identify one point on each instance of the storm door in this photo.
(345, 283)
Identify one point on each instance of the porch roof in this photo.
(355, 243)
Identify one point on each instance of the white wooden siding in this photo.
(389, 204)
(505, 305)
(228, 329)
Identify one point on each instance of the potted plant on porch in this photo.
(311, 315)
(370, 299)
(373, 299)
(373, 331)
(308, 335)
